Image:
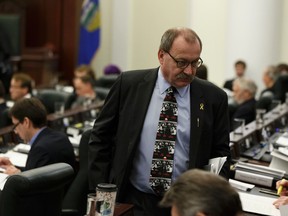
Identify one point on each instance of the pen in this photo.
(280, 187)
(198, 122)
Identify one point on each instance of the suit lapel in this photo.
(144, 93)
(197, 120)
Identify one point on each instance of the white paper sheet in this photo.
(258, 204)
(16, 158)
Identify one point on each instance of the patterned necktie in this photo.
(162, 162)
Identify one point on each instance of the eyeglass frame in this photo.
(15, 126)
(186, 62)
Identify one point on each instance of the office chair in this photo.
(36, 192)
(106, 81)
(265, 101)
(75, 200)
(281, 88)
(49, 96)
(101, 92)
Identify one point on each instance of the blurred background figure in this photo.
(240, 68)
(281, 84)
(202, 72)
(282, 68)
(5, 54)
(269, 78)
(84, 70)
(21, 86)
(270, 75)
(110, 74)
(112, 69)
(201, 193)
(3, 105)
(244, 91)
(84, 94)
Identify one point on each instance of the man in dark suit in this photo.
(123, 137)
(21, 86)
(47, 146)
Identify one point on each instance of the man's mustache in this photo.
(185, 76)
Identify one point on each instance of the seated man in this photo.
(244, 91)
(269, 78)
(200, 193)
(21, 86)
(84, 93)
(85, 70)
(47, 146)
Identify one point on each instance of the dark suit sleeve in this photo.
(102, 136)
(221, 133)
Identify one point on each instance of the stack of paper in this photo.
(215, 164)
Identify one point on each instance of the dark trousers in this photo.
(145, 204)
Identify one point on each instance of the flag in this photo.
(89, 39)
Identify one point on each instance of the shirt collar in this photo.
(35, 136)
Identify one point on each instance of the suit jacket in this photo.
(116, 132)
(50, 147)
(229, 84)
(246, 110)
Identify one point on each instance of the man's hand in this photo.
(11, 170)
(5, 161)
(284, 185)
(283, 200)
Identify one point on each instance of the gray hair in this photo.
(246, 84)
(201, 191)
(171, 34)
(272, 72)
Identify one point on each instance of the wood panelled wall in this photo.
(52, 24)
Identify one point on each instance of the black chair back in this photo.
(49, 96)
(36, 192)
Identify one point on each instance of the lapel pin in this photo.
(201, 106)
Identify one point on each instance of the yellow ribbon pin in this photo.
(201, 106)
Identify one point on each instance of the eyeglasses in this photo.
(15, 126)
(183, 64)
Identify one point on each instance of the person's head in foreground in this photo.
(201, 193)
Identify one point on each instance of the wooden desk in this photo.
(123, 209)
